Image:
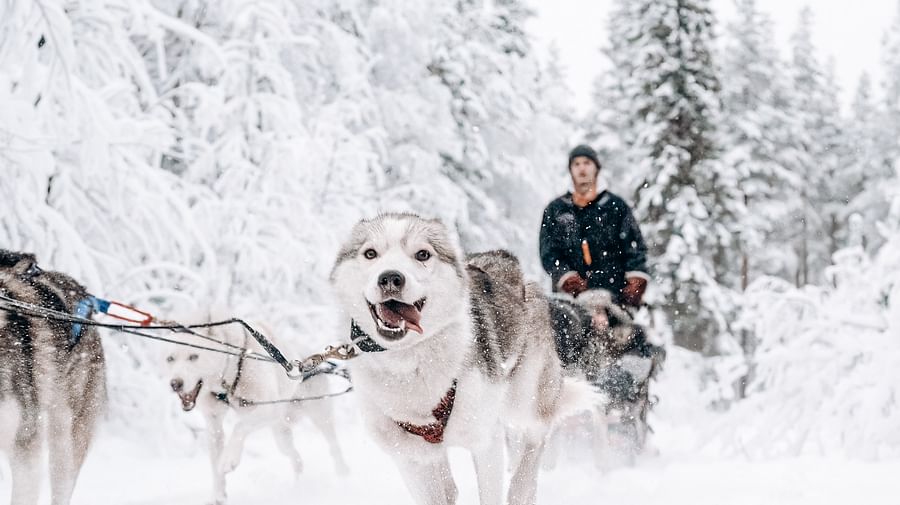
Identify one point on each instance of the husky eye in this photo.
(370, 254)
(193, 357)
(423, 255)
(170, 359)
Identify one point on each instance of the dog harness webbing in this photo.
(85, 308)
(229, 390)
(434, 432)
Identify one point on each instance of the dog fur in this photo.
(473, 321)
(197, 375)
(52, 390)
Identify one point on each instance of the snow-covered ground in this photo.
(123, 472)
(694, 466)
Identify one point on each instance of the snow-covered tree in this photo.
(195, 153)
(756, 133)
(890, 88)
(483, 60)
(867, 168)
(666, 92)
(819, 160)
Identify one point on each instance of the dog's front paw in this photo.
(219, 499)
(341, 468)
(229, 462)
(297, 463)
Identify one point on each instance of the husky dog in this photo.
(217, 383)
(52, 380)
(455, 351)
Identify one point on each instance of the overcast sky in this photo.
(850, 31)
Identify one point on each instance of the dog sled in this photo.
(600, 341)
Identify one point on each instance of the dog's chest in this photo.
(409, 397)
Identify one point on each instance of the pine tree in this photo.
(820, 157)
(890, 88)
(756, 133)
(867, 169)
(687, 200)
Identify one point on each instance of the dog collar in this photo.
(434, 432)
(366, 344)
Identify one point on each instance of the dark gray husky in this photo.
(52, 380)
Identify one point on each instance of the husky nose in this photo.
(391, 281)
(177, 385)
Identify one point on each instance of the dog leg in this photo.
(62, 453)
(430, 483)
(215, 434)
(284, 439)
(523, 487)
(489, 470)
(25, 463)
(555, 438)
(514, 444)
(600, 434)
(322, 416)
(231, 457)
(86, 419)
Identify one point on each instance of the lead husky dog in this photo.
(52, 381)
(217, 384)
(456, 351)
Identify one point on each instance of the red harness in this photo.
(434, 432)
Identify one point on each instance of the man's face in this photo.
(584, 173)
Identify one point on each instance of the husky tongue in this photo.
(393, 312)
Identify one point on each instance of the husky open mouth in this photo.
(394, 318)
(188, 399)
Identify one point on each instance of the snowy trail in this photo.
(129, 472)
(168, 463)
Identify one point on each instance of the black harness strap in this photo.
(229, 390)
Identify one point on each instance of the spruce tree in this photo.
(819, 159)
(867, 168)
(667, 93)
(756, 132)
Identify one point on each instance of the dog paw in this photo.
(298, 466)
(229, 462)
(218, 500)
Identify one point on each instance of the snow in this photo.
(172, 156)
(688, 469)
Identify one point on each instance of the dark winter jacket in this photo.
(613, 238)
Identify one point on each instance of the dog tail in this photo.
(578, 396)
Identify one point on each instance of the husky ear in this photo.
(445, 241)
(19, 263)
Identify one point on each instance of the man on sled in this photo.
(591, 246)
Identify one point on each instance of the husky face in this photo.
(192, 371)
(400, 277)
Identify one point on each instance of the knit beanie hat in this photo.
(584, 150)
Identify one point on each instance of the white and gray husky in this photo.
(52, 381)
(456, 351)
(217, 384)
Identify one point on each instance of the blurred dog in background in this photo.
(216, 384)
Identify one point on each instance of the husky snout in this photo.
(391, 283)
(393, 313)
(188, 399)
